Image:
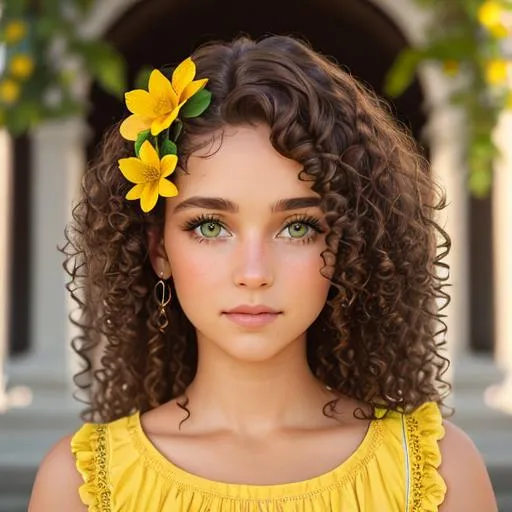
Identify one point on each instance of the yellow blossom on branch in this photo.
(9, 91)
(158, 107)
(15, 31)
(490, 13)
(148, 173)
(496, 71)
(508, 100)
(21, 66)
(451, 67)
(499, 31)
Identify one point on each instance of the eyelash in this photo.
(311, 222)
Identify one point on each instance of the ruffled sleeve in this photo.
(90, 448)
(424, 429)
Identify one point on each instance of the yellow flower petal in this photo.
(451, 67)
(508, 103)
(162, 93)
(15, 31)
(9, 91)
(496, 71)
(133, 125)
(499, 31)
(133, 170)
(167, 165)
(183, 75)
(136, 191)
(490, 13)
(149, 156)
(21, 66)
(192, 88)
(141, 103)
(149, 196)
(167, 189)
(162, 123)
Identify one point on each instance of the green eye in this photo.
(210, 229)
(298, 229)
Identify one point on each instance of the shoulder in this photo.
(463, 469)
(57, 482)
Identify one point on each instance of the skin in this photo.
(254, 395)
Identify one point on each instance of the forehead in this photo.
(242, 164)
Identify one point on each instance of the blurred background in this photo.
(444, 69)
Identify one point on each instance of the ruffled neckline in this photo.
(346, 471)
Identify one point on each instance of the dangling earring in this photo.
(162, 294)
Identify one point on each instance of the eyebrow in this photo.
(224, 205)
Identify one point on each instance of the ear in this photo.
(157, 254)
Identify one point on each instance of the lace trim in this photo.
(416, 460)
(424, 431)
(101, 463)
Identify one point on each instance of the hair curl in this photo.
(380, 335)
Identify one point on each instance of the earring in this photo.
(162, 294)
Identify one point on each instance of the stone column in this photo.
(445, 131)
(58, 164)
(5, 216)
(500, 397)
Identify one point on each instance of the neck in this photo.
(255, 397)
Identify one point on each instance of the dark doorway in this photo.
(20, 249)
(360, 37)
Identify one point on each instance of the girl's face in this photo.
(245, 232)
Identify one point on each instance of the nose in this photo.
(252, 264)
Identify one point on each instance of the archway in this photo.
(354, 32)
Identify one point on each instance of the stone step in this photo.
(505, 502)
(475, 372)
(13, 502)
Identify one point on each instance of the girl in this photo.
(255, 258)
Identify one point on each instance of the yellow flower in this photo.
(9, 91)
(499, 31)
(490, 13)
(148, 173)
(496, 71)
(15, 31)
(21, 66)
(451, 67)
(158, 107)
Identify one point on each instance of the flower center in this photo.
(164, 105)
(151, 173)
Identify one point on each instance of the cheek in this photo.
(196, 269)
(302, 272)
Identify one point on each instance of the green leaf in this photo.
(111, 76)
(196, 105)
(177, 126)
(401, 73)
(105, 64)
(480, 181)
(168, 148)
(23, 117)
(141, 138)
(142, 78)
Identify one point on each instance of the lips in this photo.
(251, 310)
(252, 316)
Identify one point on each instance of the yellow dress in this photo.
(395, 469)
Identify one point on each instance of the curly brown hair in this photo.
(380, 335)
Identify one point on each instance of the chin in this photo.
(253, 349)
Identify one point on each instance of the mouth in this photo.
(252, 316)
